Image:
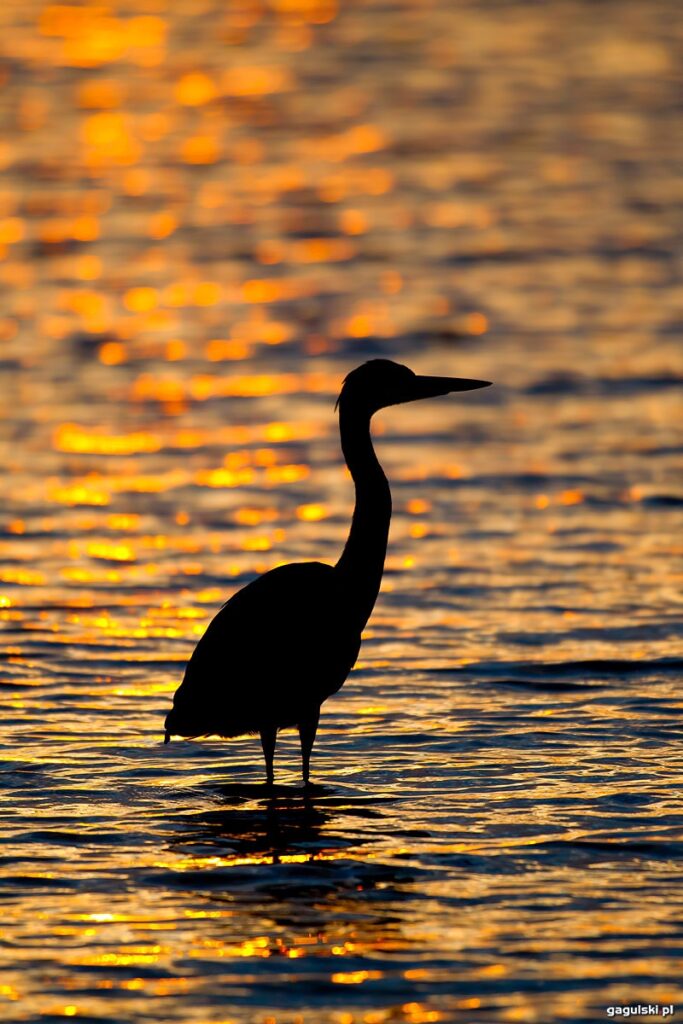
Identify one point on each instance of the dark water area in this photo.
(209, 214)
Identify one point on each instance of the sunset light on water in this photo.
(210, 212)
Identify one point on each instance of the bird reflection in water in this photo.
(287, 641)
(289, 823)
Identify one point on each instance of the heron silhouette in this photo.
(287, 641)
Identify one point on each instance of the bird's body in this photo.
(283, 651)
(287, 641)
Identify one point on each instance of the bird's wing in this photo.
(278, 645)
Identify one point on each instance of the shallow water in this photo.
(193, 259)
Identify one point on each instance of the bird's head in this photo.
(381, 382)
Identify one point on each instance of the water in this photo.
(193, 259)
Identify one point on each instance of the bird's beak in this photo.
(432, 387)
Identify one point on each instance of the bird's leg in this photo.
(268, 737)
(307, 731)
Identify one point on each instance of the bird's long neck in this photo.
(362, 561)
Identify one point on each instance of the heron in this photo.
(287, 641)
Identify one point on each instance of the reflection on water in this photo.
(208, 214)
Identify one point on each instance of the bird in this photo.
(287, 641)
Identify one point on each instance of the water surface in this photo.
(209, 213)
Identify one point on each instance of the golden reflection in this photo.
(79, 494)
(418, 1013)
(354, 977)
(225, 477)
(226, 349)
(69, 437)
(23, 577)
(288, 474)
(311, 513)
(124, 522)
(205, 386)
(110, 552)
(133, 957)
